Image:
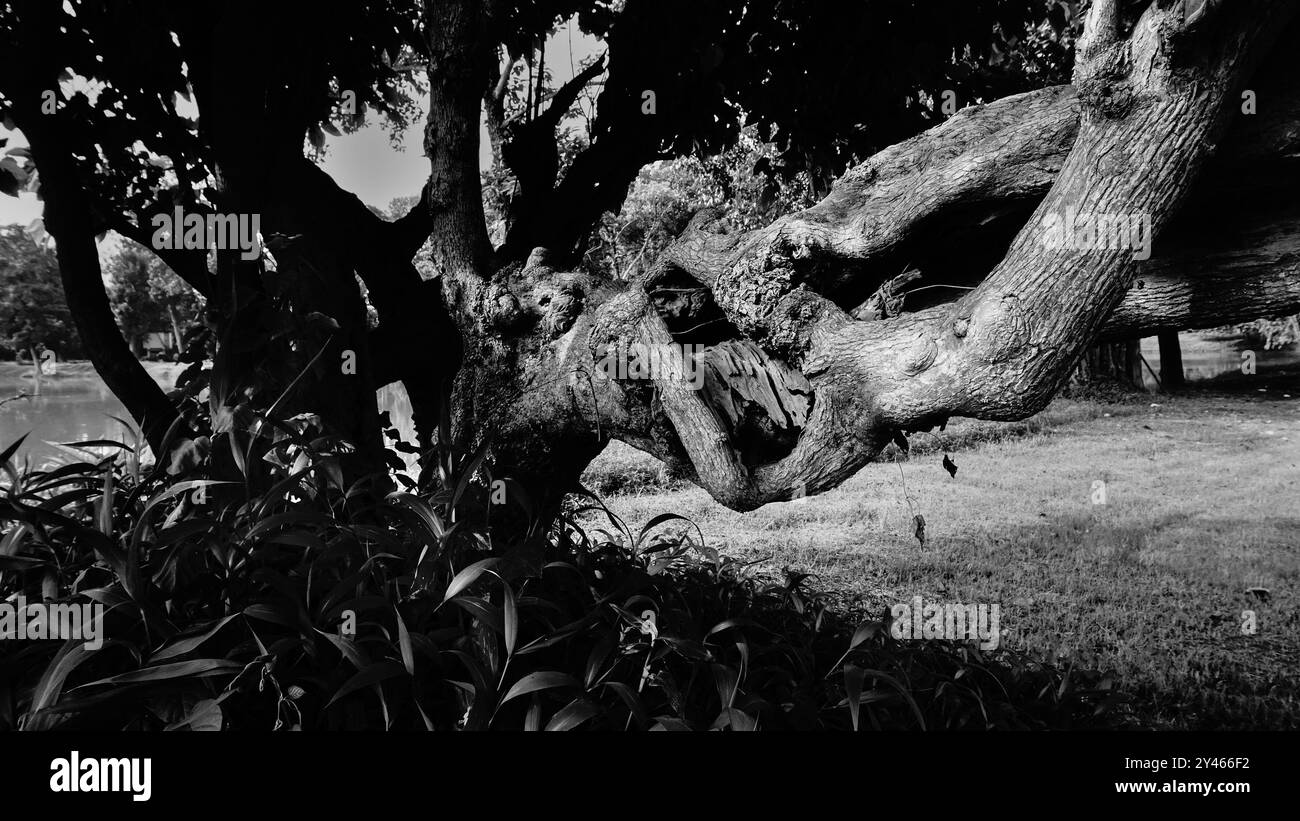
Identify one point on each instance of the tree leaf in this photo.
(349, 648)
(573, 714)
(180, 669)
(404, 643)
(541, 680)
(466, 577)
(182, 646)
(205, 717)
(481, 610)
(375, 673)
(865, 631)
(853, 678)
(12, 449)
(69, 656)
(510, 619)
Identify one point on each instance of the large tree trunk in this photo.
(819, 392)
(302, 329)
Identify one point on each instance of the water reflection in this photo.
(76, 406)
(1209, 355)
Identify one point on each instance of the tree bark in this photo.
(462, 59)
(798, 389)
(1117, 362)
(1171, 362)
(254, 129)
(1144, 118)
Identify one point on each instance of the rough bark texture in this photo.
(812, 344)
(1246, 267)
(1131, 137)
(460, 60)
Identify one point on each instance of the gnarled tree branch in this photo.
(1001, 351)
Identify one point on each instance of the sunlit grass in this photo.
(1203, 504)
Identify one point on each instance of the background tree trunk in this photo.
(37, 374)
(177, 342)
(1115, 362)
(1171, 362)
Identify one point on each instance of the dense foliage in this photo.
(289, 601)
(33, 311)
(1271, 334)
(148, 298)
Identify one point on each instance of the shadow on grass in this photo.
(1200, 635)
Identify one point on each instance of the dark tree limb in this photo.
(191, 265)
(70, 219)
(529, 151)
(416, 341)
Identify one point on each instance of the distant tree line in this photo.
(155, 310)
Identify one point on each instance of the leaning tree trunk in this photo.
(797, 393)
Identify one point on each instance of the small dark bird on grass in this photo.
(1261, 593)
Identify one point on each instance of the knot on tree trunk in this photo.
(999, 328)
(535, 298)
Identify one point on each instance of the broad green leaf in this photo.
(853, 678)
(375, 673)
(180, 647)
(573, 714)
(179, 669)
(404, 643)
(466, 577)
(510, 619)
(541, 680)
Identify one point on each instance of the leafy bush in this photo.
(286, 600)
(1271, 334)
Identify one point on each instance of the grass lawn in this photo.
(1202, 506)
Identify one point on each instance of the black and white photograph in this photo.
(921, 369)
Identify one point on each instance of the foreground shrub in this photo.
(286, 600)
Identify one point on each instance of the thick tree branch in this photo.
(1000, 352)
(191, 265)
(1244, 266)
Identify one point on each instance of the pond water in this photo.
(76, 406)
(1209, 356)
